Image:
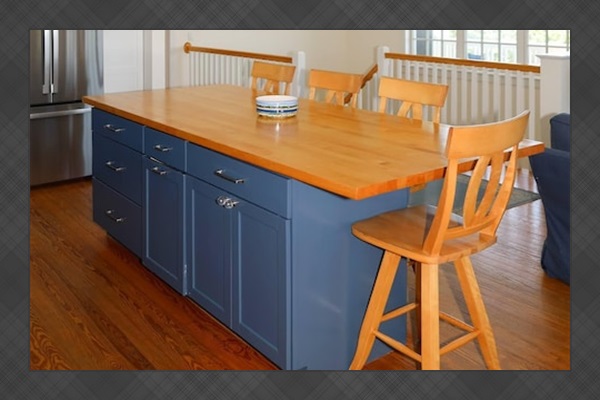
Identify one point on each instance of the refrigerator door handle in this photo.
(55, 57)
(47, 47)
(63, 113)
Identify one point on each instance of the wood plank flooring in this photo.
(94, 306)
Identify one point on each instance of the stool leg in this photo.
(417, 323)
(470, 288)
(430, 316)
(372, 319)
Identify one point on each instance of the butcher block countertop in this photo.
(350, 152)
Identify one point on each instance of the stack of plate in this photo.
(277, 106)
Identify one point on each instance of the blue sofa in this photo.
(551, 170)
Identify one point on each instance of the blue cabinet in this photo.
(121, 130)
(166, 148)
(162, 222)
(119, 216)
(118, 166)
(261, 280)
(208, 229)
(117, 178)
(163, 207)
(238, 266)
(270, 257)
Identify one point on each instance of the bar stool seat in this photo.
(431, 236)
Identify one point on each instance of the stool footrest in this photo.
(398, 312)
(402, 348)
(456, 322)
(471, 334)
(461, 341)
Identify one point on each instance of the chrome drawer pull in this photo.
(162, 148)
(111, 165)
(113, 128)
(110, 214)
(159, 171)
(221, 174)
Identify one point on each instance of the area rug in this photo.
(431, 193)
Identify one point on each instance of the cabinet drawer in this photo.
(261, 187)
(119, 216)
(165, 148)
(116, 128)
(119, 167)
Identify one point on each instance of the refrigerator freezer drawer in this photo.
(60, 144)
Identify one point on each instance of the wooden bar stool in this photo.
(414, 96)
(336, 85)
(273, 75)
(434, 235)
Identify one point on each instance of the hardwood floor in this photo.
(94, 306)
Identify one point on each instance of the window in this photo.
(511, 46)
(551, 42)
(491, 45)
(437, 42)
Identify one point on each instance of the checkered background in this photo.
(18, 16)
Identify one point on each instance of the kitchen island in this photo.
(250, 217)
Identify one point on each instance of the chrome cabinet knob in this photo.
(229, 204)
(221, 200)
(226, 202)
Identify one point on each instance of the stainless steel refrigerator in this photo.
(65, 65)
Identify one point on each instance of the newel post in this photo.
(383, 69)
(383, 65)
(555, 89)
(299, 60)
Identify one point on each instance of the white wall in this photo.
(363, 45)
(123, 60)
(155, 59)
(326, 48)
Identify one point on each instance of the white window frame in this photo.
(522, 53)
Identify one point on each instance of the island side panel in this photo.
(332, 276)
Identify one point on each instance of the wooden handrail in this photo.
(369, 75)
(365, 79)
(188, 47)
(463, 62)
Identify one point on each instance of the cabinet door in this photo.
(261, 272)
(208, 249)
(163, 216)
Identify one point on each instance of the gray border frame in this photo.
(17, 17)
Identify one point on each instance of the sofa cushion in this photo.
(551, 172)
(560, 132)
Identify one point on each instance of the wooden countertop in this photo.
(353, 153)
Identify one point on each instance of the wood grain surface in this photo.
(350, 152)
